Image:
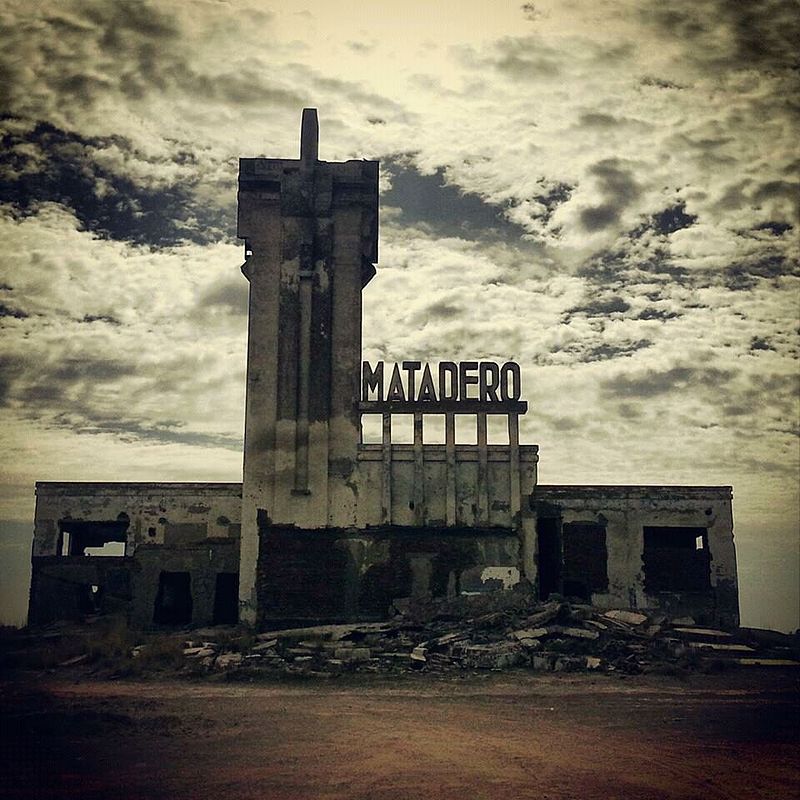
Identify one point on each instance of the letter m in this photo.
(371, 381)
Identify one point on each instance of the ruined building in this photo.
(326, 526)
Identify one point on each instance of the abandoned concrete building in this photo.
(329, 526)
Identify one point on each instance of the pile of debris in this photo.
(556, 636)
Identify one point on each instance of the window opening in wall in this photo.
(497, 428)
(433, 429)
(90, 598)
(226, 598)
(93, 537)
(466, 429)
(173, 604)
(585, 559)
(676, 559)
(371, 429)
(108, 549)
(402, 428)
(548, 532)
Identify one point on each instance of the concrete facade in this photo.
(328, 527)
(190, 529)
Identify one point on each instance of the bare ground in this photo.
(490, 735)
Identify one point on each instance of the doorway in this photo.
(548, 532)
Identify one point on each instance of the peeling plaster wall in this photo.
(335, 574)
(186, 527)
(625, 511)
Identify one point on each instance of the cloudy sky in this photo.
(603, 190)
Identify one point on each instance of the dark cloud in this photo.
(760, 34)
(599, 307)
(659, 83)
(230, 295)
(519, 58)
(672, 219)
(89, 394)
(760, 343)
(72, 58)
(746, 275)
(657, 313)
(429, 201)
(585, 353)
(596, 120)
(659, 382)
(775, 228)
(107, 318)
(47, 164)
(8, 311)
(619, 189)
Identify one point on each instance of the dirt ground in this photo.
(491, 735)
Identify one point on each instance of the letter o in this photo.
(510, 377)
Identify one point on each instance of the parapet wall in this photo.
(667, 548)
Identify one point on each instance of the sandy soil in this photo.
(509, 735)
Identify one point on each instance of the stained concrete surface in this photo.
(733, 735)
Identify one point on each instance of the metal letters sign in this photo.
(412, 385)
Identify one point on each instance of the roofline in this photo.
(139, 485)
(621, 488)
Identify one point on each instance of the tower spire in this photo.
(309, 136)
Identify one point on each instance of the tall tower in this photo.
(311, 242)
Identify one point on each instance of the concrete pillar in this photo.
(311, 231)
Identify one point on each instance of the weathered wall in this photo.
(402, 484)
(624, 512)
(202, 560)
(188, 527)
(336, 574)
(311, 233)
(158, 513)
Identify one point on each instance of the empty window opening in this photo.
(585, 559)
(548, 532)
(371, 429)
(676, 559)
(226, 598)
(497, 428)
(90, 598)
(402, 428)
(466, 429)
(173, 605)
(94, 538)
(108, 549)
(433, 428)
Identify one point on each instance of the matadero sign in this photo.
(467, 387)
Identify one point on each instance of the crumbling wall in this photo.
(202, 562)
(338, 574)
(189, 527)
(667, 548)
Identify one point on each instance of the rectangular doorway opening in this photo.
(548, 532)
(676, 559)
(226, 598)
(585, 559)
(173, 605)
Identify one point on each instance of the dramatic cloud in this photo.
(605, 192)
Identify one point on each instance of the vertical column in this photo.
(419, 471)
(386, 474)
(304, 355)
(450, 453)
(513, 465)
(483, 471)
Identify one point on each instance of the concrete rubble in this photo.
(439, 637)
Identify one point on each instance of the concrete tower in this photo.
(311, 240)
